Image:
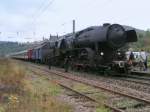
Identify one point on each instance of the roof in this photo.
(40, 46)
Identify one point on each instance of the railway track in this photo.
(91, 83)
(137, 79)
(83, 95)
(94, 84)
(143, 73)
(92, 99)
(146, 78)
(134, 80)
(142, 79)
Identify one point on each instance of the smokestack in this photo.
(74, 28)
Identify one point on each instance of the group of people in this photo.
(140, 57)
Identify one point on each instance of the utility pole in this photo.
(57, 36)
(74, 28)
(50, 37)
(17, 33)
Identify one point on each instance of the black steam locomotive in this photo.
(96, 48)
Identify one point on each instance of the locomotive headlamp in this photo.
(102, 53)
(119, 53)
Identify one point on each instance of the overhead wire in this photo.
(43, 7)
(39, 8)
(42, 10)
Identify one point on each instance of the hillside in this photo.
(9, 47)
(143, 41)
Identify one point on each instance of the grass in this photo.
(82, 88)
(102, 109)
(100, 96)
(11, 76)
(42, 86)
(26, 92)
(126, 103)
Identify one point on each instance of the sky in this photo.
(31, 20)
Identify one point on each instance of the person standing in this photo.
(66, 63)
(131, 58)
(143, 56)
(49, 63)
(145, 62)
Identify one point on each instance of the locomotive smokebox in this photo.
(116, 36)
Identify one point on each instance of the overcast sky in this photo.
(30, 20)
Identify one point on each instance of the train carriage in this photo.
(29, 53)
(42, 52)
(22, 55)
(33, 55)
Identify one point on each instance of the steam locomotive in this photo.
(96, 47)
